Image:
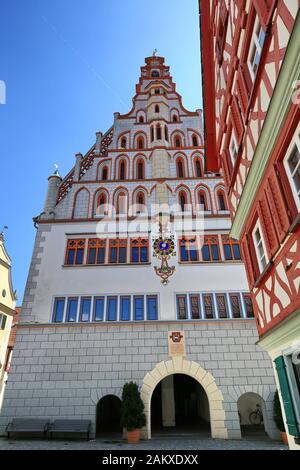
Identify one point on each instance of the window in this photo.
(141, 119)
(208, 306)
(198, 168)
(158, 132)
(117, 251)
(152, 307)
(222, 305)
(248, 305)
(154, 73)
(203, 201)
(75, 251)
(85, 308)
(152, 133)
(210, 248)
(175, 118)
(96, 251)
(104, 173)
(156, 108)
(140, 143)
(166, 134)
(122, 170)
(98, 309)
(112, 306)
(188, 250)
(123, 143)
(101, 204)
(233, 148)
(3, 319)
(138, 302)
(140, 169)
(235, 305)
(221, 201)
(72, 309)
(139, 250)
(177, 141)
(260, 247)
(180, 168)
(292, 166)
(255, 49)
(182, 201)
(58, 310)
(181, 307)
(157, 91)
(195, 141)
(195, 307)
(231, 248)
(125, 307)
(121, 203)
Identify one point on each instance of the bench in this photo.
(28, 425)
(70, 426)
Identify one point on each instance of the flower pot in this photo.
(133, 437)
(284, 438)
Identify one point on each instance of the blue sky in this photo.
(68, 65)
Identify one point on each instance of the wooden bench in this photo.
(28, 425)
(70, 426)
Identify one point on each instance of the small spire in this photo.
(154, 52)
(2, 232)
(56, 172)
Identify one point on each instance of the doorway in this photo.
(108, 416)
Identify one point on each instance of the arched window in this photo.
(221, 200)
(166, 134)
(155, 73)
(100, 208)
(121, 203)
(152, 133)
(156, 108)
(177, 140)
(180, 168)
(104, 173)
(122, 170)
(198, 168)
(140, 143)
(182, 200)
(141, 119)
(157, 91)
(175, 118)
(195, 141)
(140, 199)
(203, 200)
(158, 132)
(140, 173)
(123, 142)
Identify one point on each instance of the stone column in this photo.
(52, 193)
(168, 402)
(98, 142)
(78, 157)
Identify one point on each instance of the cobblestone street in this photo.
(185, 443)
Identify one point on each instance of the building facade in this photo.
(7, 312)
(251, 67)
(100, 309)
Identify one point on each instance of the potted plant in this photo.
(132, 412)
(278, 418)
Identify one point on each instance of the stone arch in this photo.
(178, 365)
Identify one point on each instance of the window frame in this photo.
(56, 300)
(194, 243)
(204, 294)
(76, 248)
(236, 294)
(120, 243)
(135, 298)
(151, 297)
(100, 245)
(295, 143)
(138, 243)
(108, 298)
(207, 241)
(178, 297)
(255, 47)
(233, 140)
(258, 227)
(71, 299)
(95, 299)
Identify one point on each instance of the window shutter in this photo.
(247, 260)
(221, 31)
(243, 86)
(265, 9)
(237, 120)
(253, 263)
(291, 420)
(267, 226)
(278, 209)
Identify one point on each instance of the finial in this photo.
(154, 52)
(56, 172)
(5, 227)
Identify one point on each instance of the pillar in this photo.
(168, 402)
(78, 157)
(98, 142)
(52, 193)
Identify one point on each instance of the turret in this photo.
(52, 193)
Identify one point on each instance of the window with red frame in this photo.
(221, 200)
(140, 167)
(198, 168)
(182, 199)
(140, 200)
(210, 249)
(139, 248)
(75, 251)
(123, 142)
(177, 141)
(231, 248)
(195, 140)
(158, 132)
(117, 251)
(188, 250)
(122, 170)
(101, 204)
(121, 203)
(221, 31)
(104, 173)
(140, 143)
(96, 251)
(202, 199)
(180, 168)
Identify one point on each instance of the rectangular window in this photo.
(3, 319)
(85, 309)
(112, 306)
(231, 248)
(260, 247)
(208, 306)
(75, 252)
(248, 305)
(118, 250)
(96, 251)
(222, 305)
(98, 309)
(182, 307)
(235, 305)
(72, 309)
(188, 249)
(195, 307)
(233, 148)
(139, 250)
(152, 310)
(255, 49)
(138, 308)
(125, 307)
(58, 310)
(210, 248)
(292, 167)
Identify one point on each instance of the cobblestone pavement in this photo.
(184, 443)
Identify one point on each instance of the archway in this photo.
(108, 416)
(179, 405)
(252, 415)
(178, 365)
